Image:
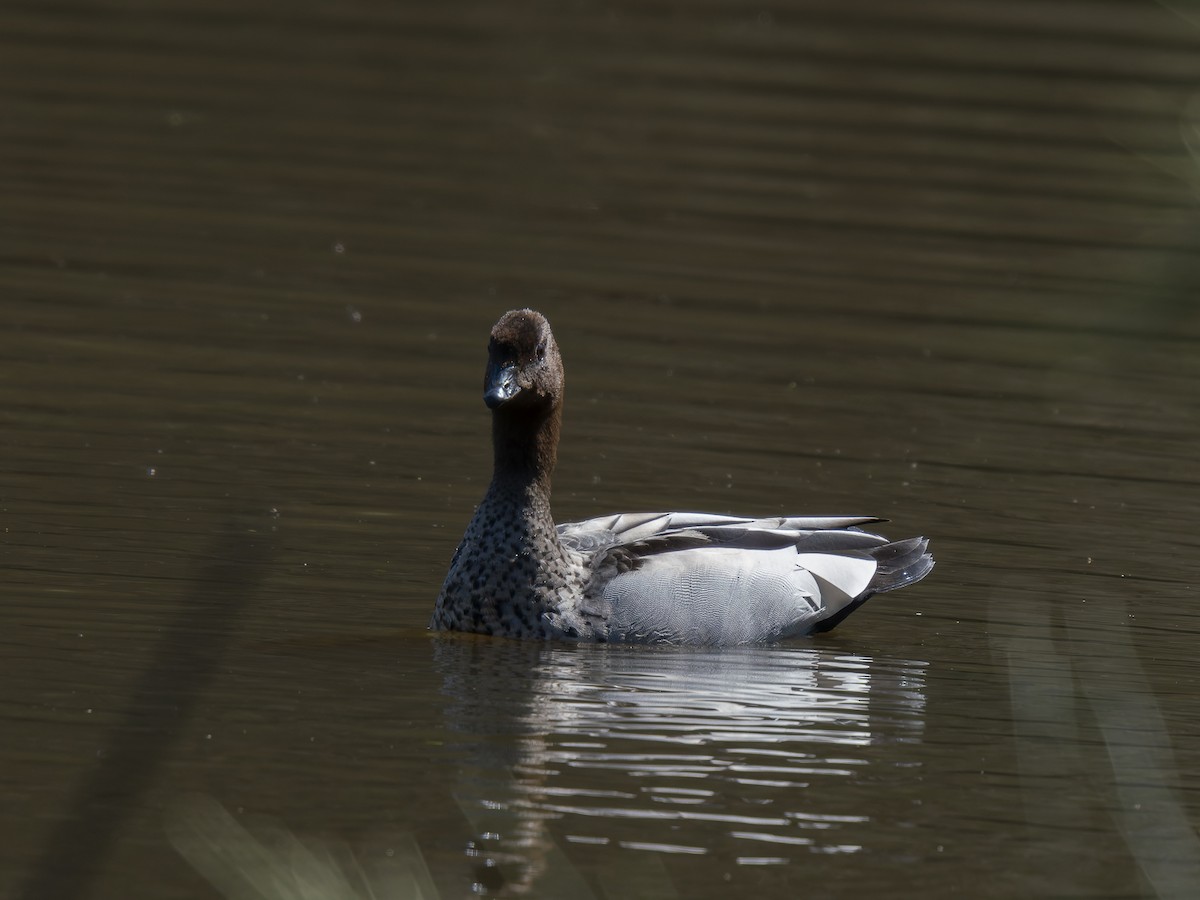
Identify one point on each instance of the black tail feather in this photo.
(901, 563)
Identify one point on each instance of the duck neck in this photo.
(525, 449)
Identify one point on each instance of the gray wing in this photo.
(637, 526)
(704, 579)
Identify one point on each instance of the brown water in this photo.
(933, 261)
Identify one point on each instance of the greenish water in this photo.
(936, 263)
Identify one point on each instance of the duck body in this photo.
(683, 578)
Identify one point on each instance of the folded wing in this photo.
(704, 579)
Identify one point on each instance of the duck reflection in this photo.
(756, 754)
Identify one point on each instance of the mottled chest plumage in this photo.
(511, 576)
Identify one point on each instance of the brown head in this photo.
(523, 386)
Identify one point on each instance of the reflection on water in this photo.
(680, 752)
(268, 862)
(1115, 701)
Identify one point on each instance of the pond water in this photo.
(935, 262)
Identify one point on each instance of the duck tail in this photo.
(900, 563)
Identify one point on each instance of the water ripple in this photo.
(590, 746)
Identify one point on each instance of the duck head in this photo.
(524, 371)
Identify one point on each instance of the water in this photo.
(934, 263)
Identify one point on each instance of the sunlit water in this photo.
(936, 263)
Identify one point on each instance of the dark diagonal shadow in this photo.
(184, 660)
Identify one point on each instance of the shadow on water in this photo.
(184, 660)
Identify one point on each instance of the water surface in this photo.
(935, 263)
